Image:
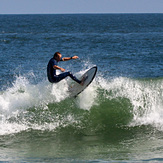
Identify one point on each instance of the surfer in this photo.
(53, 66)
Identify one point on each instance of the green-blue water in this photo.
(118, 118)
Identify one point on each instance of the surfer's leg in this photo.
(74, 78)
(65, 74)
(61, 76)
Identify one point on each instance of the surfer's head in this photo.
(57, 56)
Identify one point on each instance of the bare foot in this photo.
(83, 80)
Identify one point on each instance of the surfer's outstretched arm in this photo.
(69, 58)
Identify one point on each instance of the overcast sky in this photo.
(80, 6)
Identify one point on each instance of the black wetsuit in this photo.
(51, 73)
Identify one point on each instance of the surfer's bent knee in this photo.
(69, 73)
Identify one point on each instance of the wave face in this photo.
(105, 106)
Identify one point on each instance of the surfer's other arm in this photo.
(59, 68)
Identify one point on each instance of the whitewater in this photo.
(140, 99)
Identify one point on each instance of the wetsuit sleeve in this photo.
(53, 62)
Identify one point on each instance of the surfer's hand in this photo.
(62, 69)
(75, 57)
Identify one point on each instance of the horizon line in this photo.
(79, 13)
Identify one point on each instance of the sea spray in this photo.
(59, 91)
(16, 101)
(87, 99)
(23, 94)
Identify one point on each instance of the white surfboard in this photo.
(76, 88)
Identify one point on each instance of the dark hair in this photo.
(56, 54)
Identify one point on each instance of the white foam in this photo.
(87, 98)
(24, 95)
(60, 91)
(144, 96)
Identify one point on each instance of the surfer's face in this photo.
(59, 56)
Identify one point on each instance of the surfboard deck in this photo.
(75, 89)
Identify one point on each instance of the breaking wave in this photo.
(106, 105)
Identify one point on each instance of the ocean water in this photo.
(118, 118)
